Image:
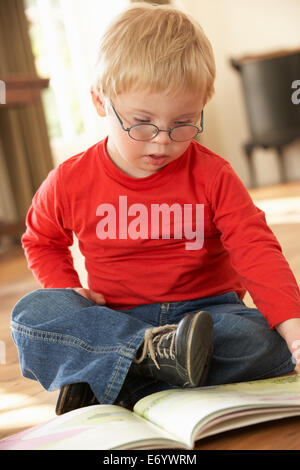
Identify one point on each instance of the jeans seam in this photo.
(164, 313)
(36, 334)
(119, 366)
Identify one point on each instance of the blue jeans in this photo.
(64, 338)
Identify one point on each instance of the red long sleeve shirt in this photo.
(187, 231)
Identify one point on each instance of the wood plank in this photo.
(277, 435)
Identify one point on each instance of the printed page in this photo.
(183, 411)
(95, 427)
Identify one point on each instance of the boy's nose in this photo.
(162, 138)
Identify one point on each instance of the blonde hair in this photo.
(155, 48)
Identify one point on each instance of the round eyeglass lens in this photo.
(143, 132)
(182, 133)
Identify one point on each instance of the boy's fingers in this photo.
(91, 295)
(97, 298)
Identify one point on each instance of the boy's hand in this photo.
(290, 331)
(91, 295)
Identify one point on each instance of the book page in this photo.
(183, 411)
(90, 428)
(245, 418)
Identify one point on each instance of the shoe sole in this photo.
(200, 343)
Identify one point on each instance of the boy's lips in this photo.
(156, 159)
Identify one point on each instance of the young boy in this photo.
(170, 236)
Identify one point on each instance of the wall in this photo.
(236, 28)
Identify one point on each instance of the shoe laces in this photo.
(152, 336)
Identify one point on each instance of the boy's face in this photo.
(143, 158)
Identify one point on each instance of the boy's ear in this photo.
(98, 103)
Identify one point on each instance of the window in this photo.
(64, 35)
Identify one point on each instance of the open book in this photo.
(170, 419)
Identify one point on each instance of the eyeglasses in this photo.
(180, 133)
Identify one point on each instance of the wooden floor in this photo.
(23, 403)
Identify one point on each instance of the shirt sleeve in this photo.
(255, 252)
(47, 239)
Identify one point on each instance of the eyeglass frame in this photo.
(128, 129)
